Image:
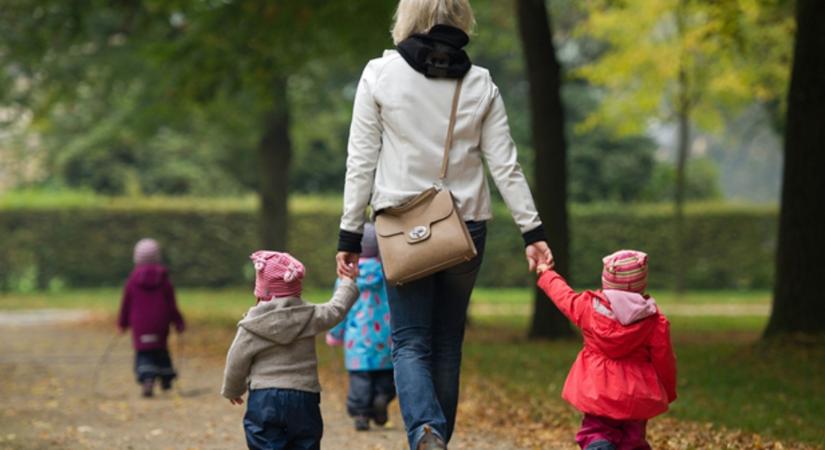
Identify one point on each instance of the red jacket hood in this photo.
(608, 335)
(149, 276)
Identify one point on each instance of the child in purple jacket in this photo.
(148, 308)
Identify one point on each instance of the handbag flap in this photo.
(415, 217)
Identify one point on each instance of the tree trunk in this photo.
(683, 106)
(798, 303)
(547, 123)
(275, 153)
(682, 155)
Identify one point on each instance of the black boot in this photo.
(147, 386)
(362, 423)
(429, 441)
(379, 409)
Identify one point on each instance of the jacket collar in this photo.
(438, 53)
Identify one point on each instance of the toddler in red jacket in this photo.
(149, 308)
(626, 372)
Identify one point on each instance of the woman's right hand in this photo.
(347, 265)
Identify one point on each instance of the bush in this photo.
(207, 243)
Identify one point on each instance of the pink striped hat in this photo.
(625, 270)
(276, 275)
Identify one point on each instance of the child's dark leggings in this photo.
(283, 419)
(603, 433)
(365, 387)
(152, 364)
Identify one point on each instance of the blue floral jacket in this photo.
(365, 333)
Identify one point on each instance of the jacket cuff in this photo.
(349, 241)
(533, 236)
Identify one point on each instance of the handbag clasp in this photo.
(418, 233)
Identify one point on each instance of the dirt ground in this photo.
(50, 397)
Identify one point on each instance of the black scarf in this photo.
(438, 53)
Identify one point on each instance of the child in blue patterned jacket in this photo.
(365, 335)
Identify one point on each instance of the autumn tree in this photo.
(684, 63)
(797, 302)
(235, 58)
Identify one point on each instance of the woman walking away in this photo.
(400, 122)
(148, 308)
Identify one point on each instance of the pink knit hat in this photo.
(147, 251)
(625, 270)
(276, 275)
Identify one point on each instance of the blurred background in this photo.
(219, 127)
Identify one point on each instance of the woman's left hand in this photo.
(538, 253)
(347, 265)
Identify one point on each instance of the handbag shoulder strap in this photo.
(448, 143)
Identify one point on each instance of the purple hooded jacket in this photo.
(148, 307)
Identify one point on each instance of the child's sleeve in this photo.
(177, 318)
(569, 302)
(663, 358)
(335, 336)
(125, 306)
(330, 313)
(238, 361)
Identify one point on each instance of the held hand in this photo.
(347, 265)
(541, 268)
(236, 401)
(538, 253)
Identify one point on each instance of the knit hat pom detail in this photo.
(277, 274)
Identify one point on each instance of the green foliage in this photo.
(731, 53)
(610, 170)
(703, 182)
(207, 243)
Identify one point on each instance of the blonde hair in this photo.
(418, 16)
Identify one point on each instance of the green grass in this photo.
(525, 296)
(207, 306)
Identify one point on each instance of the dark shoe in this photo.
(601, 444)
(362, 423)
(429, 441)
(379, 409)
(146, 388)
(166, 384)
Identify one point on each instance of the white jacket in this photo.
(396, 143)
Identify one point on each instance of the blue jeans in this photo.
(428, 318)
(365, 386)
(283, 419)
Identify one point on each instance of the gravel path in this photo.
(49, 397)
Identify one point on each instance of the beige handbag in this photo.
(426, 234)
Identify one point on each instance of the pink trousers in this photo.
(623, 434)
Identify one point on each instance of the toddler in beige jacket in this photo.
(273, 355)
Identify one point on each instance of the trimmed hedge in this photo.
(48, 246)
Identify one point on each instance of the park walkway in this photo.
(49, 397)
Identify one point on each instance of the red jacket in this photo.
(149, 307)
(624, 372)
